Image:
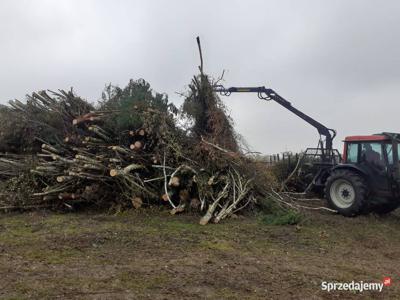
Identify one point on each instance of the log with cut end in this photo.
(60, 158)
(48, 169)
(92, 116)
(174, 181)
(72, 139)
(93, 167)
(141, 132)
(136, 145)
(68, 196)
(120, 149)
(137, 202)
(94, 140)
(50, 149)
(180, 208)
(64, 178)
(211, 208)
(99, 132)
(114, 160)
(86, 159)
(165, 197)
(81, 119)
(126, 170)
(206, 218)
(114, 172)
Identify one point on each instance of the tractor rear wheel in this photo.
(346, 192)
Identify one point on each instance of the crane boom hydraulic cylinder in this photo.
(269, 94)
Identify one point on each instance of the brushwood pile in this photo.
(132, 149)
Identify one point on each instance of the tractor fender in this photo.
(351, 167)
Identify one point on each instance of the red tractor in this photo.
(366, 178)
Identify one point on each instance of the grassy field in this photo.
(152, 255)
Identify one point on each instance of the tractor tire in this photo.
(386, 208)
(346, 192)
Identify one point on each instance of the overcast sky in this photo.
(338, 61)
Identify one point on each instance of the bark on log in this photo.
(126, 170)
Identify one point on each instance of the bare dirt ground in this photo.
(148, 254)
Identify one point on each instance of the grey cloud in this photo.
(336, 60)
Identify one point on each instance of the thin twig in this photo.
(201, 55)
(215, 146)
(166, 184)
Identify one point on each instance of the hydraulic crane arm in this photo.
(269, 94)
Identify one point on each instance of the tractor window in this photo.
(372, 153)
(389, 151)
(352, 153)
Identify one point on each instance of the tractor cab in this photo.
(368, 177)
(376, 154)
(376, 149)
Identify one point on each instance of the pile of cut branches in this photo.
(128, 151)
